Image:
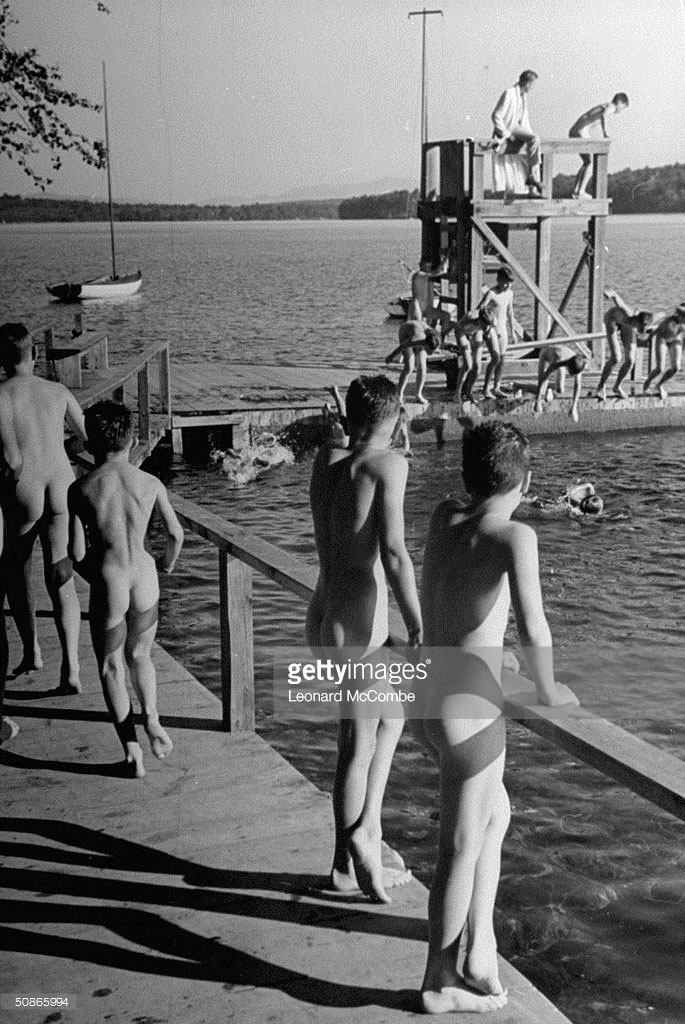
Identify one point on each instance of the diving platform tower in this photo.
(471, 231)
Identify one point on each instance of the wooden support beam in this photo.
(144, 402)
(641, 767)
(543, 260)
(237, 656)
(165, 382)
(476, 269)
(526, 280)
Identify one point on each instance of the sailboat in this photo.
(114, 285)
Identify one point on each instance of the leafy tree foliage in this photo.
(31, 98)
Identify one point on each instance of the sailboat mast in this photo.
(424, 106)
(109, 172)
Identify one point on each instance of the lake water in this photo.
(593, 886)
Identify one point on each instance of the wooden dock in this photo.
(192, 896)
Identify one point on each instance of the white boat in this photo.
(97, 288)
(112, 286)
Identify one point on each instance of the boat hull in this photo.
(399, 307)
(97, 288)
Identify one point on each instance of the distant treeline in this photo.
(648, 190)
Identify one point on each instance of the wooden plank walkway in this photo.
(191, 895)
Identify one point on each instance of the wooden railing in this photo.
(646, 770)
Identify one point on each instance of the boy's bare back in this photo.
(115, 503)
(355, 497)
(465, 595)
(40, 408)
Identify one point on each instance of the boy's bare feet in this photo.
(69, 683)
(443, 991)
(372, 876)
(133, 764)
(662, 392)
(601, 394)
(421, 400)
(481, 972)
(29, 663)
(620, 391)
(395, 872)
(159, 739)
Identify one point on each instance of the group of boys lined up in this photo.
(492, 324)
(96, 524)
(477, 562)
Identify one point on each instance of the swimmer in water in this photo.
(579, 500)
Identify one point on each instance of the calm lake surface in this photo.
(593, 881)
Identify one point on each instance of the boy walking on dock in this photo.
(35, 505)
(477, 562)
(110, 510)
(357, 501)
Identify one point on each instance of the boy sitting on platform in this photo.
(557, 359)
(477, 562)
(110, 510)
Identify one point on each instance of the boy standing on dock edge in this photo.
(110, 510)
(477, 563)
(357, 501)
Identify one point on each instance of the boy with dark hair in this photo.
(624, 326)
(469, 332)
(477, 563)
(110, 510)
(36, 506)
(582, 129)
(357, 501)
(558, 359)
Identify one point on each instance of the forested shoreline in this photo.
(647, 190)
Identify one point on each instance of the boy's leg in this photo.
(480, 962)
(21, 597)
(59, 580)
(356, 747)
(613, 360)
(499, 369)
(108, 644)
(142, 627)
(676, 353)
(659, 369)
(465, 814)
(408, 361)
(492, 343)
(630, 353)
(421, 368)
(472, 375)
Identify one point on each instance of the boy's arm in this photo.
(76, 548)
(534, 633)
(74, 416)
(398, 567)
(10, 452)
(602, 118)
(174, 530)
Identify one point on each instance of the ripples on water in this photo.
(592, 894)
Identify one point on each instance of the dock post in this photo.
(165, 383)
(237, 655)
(144, 402)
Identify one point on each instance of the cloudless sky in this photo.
(220, 100)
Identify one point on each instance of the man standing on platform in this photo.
(512, 127)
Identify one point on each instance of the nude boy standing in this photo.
(357, 499)
(37, 505)
(110, 510)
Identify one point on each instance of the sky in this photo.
(251, 100)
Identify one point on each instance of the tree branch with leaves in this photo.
(31, 102)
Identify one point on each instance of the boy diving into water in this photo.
(110, 510)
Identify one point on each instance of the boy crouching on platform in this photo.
(477, 562)
(109, 513)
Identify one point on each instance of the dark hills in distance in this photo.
(647, 190)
